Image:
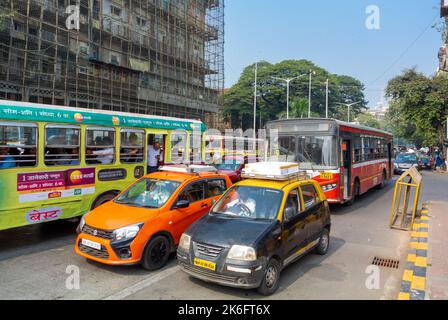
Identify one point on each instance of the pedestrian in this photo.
(155, 157)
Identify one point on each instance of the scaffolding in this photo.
(161, 57)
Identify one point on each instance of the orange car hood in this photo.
(111, 216)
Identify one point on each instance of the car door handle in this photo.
(204, 205)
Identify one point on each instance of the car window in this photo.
(293, 201)
(193, 192)
(310, 196)
(215, 188)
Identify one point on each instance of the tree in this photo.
(367, 119)
(238, 100)
(421, 103)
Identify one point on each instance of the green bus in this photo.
(61, 162)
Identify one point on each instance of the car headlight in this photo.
(242, 253)
(82, 223)
(396, 165)
(128, 232)
(185, 242)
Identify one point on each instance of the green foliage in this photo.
(366, 119)
(419, 107)
(5, 14)
(238, 100)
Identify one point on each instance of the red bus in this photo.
(346, 159)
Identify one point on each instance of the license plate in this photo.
(91, 244)
(205, 264)
(326, 175)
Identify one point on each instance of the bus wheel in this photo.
(382, 185)
(355, 193)
(103, 199)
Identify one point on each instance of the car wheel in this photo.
(156, 253)
(271, 278)
(324, 243)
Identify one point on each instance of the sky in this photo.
(333, 35)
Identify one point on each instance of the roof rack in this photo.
(281, 171)
(189, 169)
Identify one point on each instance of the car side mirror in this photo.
(288, 214)
(213, 202)
(182, 204)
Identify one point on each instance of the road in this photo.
(34, 261)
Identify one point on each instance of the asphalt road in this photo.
(34, 261)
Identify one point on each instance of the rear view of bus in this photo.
(346, 159)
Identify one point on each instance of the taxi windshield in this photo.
(250, 203)
(148, 193)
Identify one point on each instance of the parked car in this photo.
(144, 223)
(232, 166)
(405, 161)
(257, 228)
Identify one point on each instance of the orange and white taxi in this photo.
(144, 223)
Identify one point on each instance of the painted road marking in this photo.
(123, 294)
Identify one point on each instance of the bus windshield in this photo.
(311, 152)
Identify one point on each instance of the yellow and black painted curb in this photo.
(413, 285)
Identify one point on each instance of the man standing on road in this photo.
(155, 156)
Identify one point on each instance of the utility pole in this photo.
(255, 100)
(326, 100)
(309, 93)
(288, 81)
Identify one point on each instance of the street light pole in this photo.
(326, 100)
(255, 101)
(309, 93)
(288, 82)
(349, 105)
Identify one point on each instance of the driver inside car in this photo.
(244, 200)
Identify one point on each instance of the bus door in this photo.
(161, 138)
(347, 159)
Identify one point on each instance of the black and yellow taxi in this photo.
(259, 226)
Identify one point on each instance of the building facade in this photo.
(161, 57)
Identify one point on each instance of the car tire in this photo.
(271, 278)
(156, 253)
(324, 243)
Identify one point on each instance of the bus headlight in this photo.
(329, 187)
(242, 253)
(185, 242)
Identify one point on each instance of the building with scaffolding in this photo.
(161, 57)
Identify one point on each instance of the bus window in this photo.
(62, 145)
(178, 147)
(132, 149)
(195, 148)
(18, 145)
(100, 146)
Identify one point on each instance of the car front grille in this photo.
(209, 274)
(207, 250)
(104, 234)
(102, 254)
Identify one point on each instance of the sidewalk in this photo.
(437, 286)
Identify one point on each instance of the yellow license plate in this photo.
(205, 264)
(326, 175)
